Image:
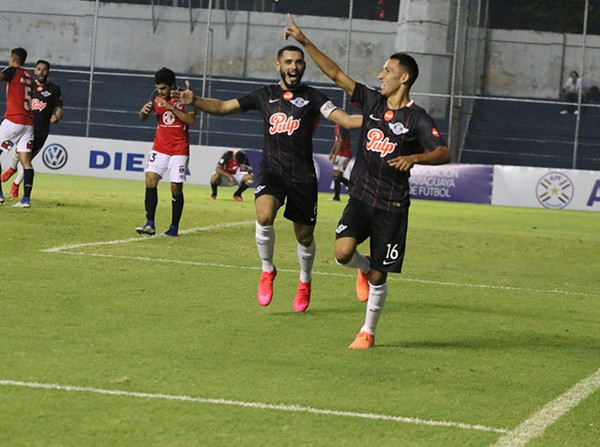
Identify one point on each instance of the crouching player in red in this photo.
(233, 169)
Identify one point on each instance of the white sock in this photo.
(306, 257)
(14, 159)
(375, 305)
(358, 261)
(265, 242)
(20, 175)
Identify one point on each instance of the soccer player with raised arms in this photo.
(395, 135)
(290, 111)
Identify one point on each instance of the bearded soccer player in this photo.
(16, 129)
(396, 134)
(47, 108)
(170, 152)
(290, 112)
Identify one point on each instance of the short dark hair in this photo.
(165, 76)
(410, 64)
(42, 61)
(20, 53)
(289, 48)
(239, 156)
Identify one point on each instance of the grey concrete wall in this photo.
(517, 63)
(535, 64)
(245, 44)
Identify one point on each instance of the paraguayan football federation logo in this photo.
(54, 156)
(554, 190)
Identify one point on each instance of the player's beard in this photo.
(293, 82)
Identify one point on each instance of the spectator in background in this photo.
(571, 92)
(340, 156)
(233, 169)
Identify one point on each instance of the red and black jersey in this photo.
(343, 135)
(229, 164)
(290, 120)
(19, 84)
(45, 98)
(386, 134)
(172, 137)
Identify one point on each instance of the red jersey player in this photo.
(170, 152)
(17, 127)
(340, 156)
(233, 169)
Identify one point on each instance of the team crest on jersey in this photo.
(299, 102)
(281, 123)
(398, 128)
(36, 104)
(378, 142)
(168, 117)
(7, 144)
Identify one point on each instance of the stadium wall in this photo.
(496, 185)
(517, 63)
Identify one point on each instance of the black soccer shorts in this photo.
(301, 204)
(387, 231)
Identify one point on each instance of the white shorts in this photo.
(238, 176)
(19, 136)
(174, 165)
(340, 163)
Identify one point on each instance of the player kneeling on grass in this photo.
(170, 152)
(233, 169)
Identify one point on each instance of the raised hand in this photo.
(186, 97)
(293, 30)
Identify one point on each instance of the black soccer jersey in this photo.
(290, 120)
(386, 134)
(45, 98)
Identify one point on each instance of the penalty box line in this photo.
(257, 405)
(68, 249)
(537, 424)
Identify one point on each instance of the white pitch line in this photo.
(537, 424)
(259, 405)
(62, 250)
(142, 238)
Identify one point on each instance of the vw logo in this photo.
(54, 156)
(554, 190)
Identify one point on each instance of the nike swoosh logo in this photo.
(374, 118)
(388, 262)
(271, 101)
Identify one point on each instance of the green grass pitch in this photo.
(108, 338)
